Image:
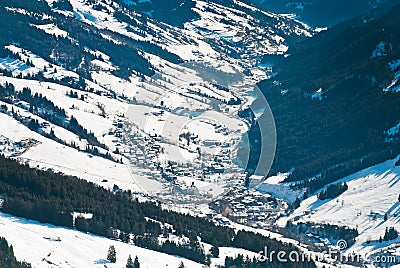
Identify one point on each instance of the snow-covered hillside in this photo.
(49, 246)
(115, 94)
(45, 245)
(372, 193)
(142, 124)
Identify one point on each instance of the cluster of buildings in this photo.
(147, 152)
(249, 207)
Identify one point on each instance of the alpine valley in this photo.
(130, 134)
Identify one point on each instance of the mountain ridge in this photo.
(335, 99)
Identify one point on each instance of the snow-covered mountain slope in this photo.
(61, 247)
(45, 245)
(372, 193)
(127, 87)
(126, 98)
(340, 100)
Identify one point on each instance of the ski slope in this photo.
(372, 193)
(45, 245)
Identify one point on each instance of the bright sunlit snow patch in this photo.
(70, 248)
(372, 193)
(394, 86)
(318, 95)
(277, 178)
(38, 65)
(103, 19)
(16, 66)
(321, 29)
(52, 29)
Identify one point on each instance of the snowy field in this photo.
(178, 99)
(50, 154)
(45, 245)
(372, 193)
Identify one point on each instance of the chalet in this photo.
(240, 217)
(113, 233)
(210, 143)
(214, 170)
(253, 211)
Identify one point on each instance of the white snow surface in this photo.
(52, 29)
(318, 95)
(45, 245)
(50, 154)
(372, 193)
(198, 41)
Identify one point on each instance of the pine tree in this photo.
(112, 254)
(129, 262)
(181, 265)
(215, 250)
(52, 134)
(136, 263)
(390, 234)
